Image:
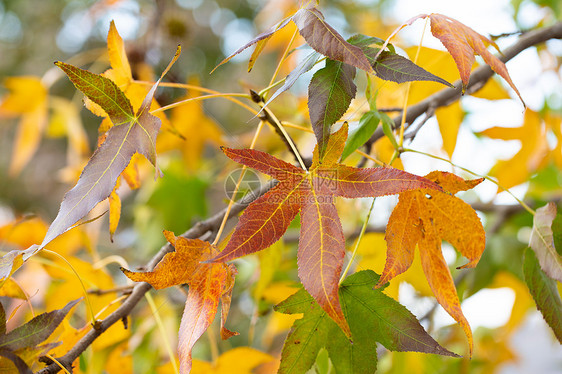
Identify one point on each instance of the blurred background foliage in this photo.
(36, 172)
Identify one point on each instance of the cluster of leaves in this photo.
(346, 317)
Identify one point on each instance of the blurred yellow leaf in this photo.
(241, 360)
(373, 254)
(492, 90)
(384, 151)
(27, 99)
(523, 301)
(196, 130)
(22, 233)
(114, 209)
(449, 119)
(531, 156)
(11, 289)
(65, 121)
(120, 360)
(269, 264)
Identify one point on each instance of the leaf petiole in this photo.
(409, 84)
(86, 297)
(354, 253)
(231, 202)
(162, 329)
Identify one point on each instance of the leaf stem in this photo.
(268, 88)
(58, 363)
(409, 84)
(285, 135)
(282, 60)
(231, 202)
(521, 202)
(160, 324)
(205, 97)
(86, 297)
(186, 86)
(354, 253)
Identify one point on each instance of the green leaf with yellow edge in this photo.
(324, 39)
(393, 67)
(545, 293)
(372, 316)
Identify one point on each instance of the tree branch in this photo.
(141, 288)
(477, 80)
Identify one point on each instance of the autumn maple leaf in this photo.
(209, 284)
(424, 218)
(312, 192)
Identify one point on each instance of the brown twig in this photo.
(124, 290)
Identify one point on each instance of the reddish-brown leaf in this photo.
(321, 245)
(324, 39)
(463, 43)
(424, 218)
(209, 284)
(321, 253)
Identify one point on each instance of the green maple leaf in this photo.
(372, 317)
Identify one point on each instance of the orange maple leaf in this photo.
(209, 284)
(426, 217)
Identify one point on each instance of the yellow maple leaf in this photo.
(241, 360)
(196, 130)
(532, 155)
(27, 99)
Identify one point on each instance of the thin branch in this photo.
(141, 288)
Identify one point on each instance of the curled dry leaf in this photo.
(209, 284)
(542, 242)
